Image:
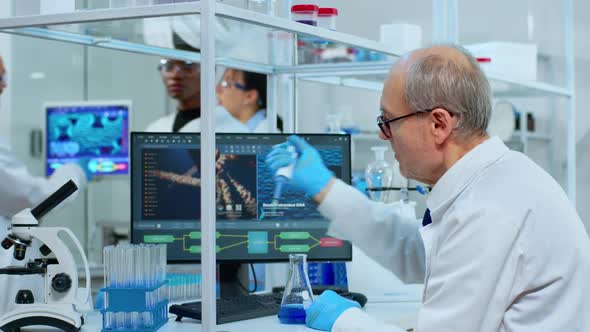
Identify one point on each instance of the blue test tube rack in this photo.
(328, 274)
(135, 300)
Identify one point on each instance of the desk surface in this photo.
(402, 314)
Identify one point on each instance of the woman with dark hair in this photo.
(243, 95)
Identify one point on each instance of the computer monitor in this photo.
(92, 134)
(165, 198)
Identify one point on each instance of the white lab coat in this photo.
(164, 124)
(506, 251)
(19, 190)
(224, 123)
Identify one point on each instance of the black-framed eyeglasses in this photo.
(167, 66)
(384, 124)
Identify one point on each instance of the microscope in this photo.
(61, 302)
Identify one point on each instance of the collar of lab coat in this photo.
(462, 173)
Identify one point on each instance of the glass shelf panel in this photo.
(370, 76)
(244, 39)
(238, 44)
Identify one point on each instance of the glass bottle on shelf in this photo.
(263, 6)
(379, 175)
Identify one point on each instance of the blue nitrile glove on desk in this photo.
(325, 310)
(309, 174)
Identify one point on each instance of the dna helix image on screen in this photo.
(251, 224)
(95, 136)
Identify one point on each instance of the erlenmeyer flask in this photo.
(298, 295)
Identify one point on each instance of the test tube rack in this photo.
(137, 309)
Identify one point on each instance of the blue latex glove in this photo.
(309, 174)
(325, 310)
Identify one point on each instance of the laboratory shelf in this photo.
(500, 87)
(371, 75)
(505, 87)
(97, 15)
(223, 11)
(115, 44)
(278, 23)
(104, 42)
(347, 82)
(377, 69)
(96, 28)
(517, 135)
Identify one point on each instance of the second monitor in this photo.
(92, 134)
(166, 197)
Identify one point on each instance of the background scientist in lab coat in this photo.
(243, 95)
(500, 247)
(19, 190)
(182, 80)
(241, 105)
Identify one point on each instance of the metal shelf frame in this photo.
(281, 76)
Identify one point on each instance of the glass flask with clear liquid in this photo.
(298, 295)
(379, 175)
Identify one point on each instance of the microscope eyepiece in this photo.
(6, 243)
(54, 200)
(19, 251)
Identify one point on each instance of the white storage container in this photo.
(507, 60)
(401, 37)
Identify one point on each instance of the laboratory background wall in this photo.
(66, 72)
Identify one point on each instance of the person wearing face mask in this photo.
(19, 189)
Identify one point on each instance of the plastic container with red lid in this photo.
(327, 18)
(306, 14)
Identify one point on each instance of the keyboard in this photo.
(233, 309)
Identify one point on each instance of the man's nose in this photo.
(176, 72)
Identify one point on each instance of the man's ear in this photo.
(442, 124)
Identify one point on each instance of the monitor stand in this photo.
(230, 277)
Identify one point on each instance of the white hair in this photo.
(437, 81)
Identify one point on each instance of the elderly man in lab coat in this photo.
(19, 190)
(500, 247)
